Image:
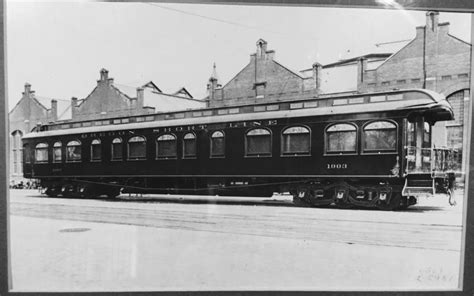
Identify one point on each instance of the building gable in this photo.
(263, 79)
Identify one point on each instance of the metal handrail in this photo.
(433, 160)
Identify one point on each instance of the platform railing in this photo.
(433, 160)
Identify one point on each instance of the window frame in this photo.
(210, 144)
(379, 151)
(60, 148)
(295, 154)
(112, 158)
(175, 156)
(270, 134)
(94, 142)
(339, 153)
(128, 148)
(27, 154)
(46, 148)
(195, 146)
(79, 145)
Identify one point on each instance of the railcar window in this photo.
(258, 142)
(117, 149)
(27, 153)
(137, 148)
(380, 136)
(427, 135)
(411, 134)
(57, 152)
(41, 153)
(296, 141)
(166, 146)
(217, 144)
(73, 151)
(96, 150)
(341, 138)
(189, 145)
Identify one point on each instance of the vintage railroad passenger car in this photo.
(365, 150)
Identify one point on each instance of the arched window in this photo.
(137, 148)
(380, 136)
(166, 146)
(96, 151)
(117, 149)
(17, 151)
(296, 141)
(73, 151)
(189, 145)
(41, 153)
(57, 152)
(217, 144)
(258, 142)
(341, 138)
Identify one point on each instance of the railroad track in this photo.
(429, 230)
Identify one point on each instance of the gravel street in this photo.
(163, 242)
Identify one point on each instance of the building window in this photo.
(217, 144)
(166, 146)
(17, 152)
(258, 142)
(296, 141)
(341, 138)
(57, 152)
(41, 153)
(73, 149)
(189, 145)
(380, 136)
(137, 148)
(117, 149)
(96, 151)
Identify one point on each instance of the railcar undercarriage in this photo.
(382, 194)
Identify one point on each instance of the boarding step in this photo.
(417, 185)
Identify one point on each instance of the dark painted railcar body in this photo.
(387, 178)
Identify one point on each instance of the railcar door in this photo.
(418, 146)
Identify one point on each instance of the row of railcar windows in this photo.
(341, 138)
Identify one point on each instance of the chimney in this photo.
(54, 110)
(27, 88)
(361, 68)
(261, 48)
(28, 92)
(140, 97)
(73, 107)
(104, 77)
(317, 73)
(432, 19)
(104, 74)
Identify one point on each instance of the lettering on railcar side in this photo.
(336, 166)
(187, 128)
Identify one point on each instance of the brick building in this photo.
(24, 116)
(263, 79)
(433, 60)
(105, 101)
(108, 100)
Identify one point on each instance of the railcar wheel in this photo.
(112, 193)
(392, 204)
(300, 198)
(403, 203)
(51, 191)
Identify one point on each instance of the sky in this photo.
(60, 47)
